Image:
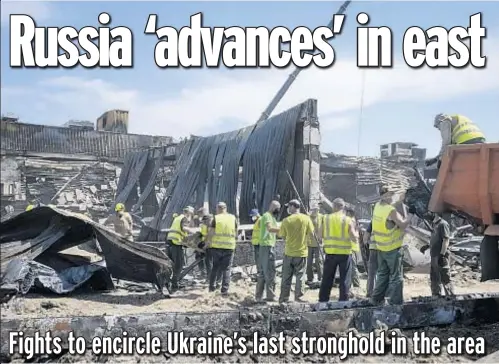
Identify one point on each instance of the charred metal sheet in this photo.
(213, 164)
(44, 232)
(22, 138)
(414, 314)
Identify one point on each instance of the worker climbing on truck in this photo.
(455, 129)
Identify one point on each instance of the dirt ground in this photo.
(196, 298)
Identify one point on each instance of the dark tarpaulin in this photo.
(31, 244)
(213, 163)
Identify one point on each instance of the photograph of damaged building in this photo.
(55, 277)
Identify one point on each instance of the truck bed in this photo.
(468, 181)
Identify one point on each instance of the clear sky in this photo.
(399, 103)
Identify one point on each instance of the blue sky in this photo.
(399, 103)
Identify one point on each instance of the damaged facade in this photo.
(246, 168)
(357, 179)
(74, 168)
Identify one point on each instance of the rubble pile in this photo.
(75, 186)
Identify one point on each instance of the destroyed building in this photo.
(113, 120)
(74, 168)
(246, 168)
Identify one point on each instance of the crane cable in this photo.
(359, 130)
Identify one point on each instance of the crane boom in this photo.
(292, 77)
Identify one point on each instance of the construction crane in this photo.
(292, 77)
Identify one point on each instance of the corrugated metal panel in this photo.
(19, 137)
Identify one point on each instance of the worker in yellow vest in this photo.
(388, 227)
(455, 130)
(223, 235)
(255, 236)
(296, 230)
(314, 260)
(179, 230)
(121, 221)
(266, 253)
(338, 232)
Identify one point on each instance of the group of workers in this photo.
(309, 236)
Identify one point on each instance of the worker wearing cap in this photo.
(440, 277)
(296, 230)
(388, 233)
(255, 236)
(223, 236)
(355, 281)
(266, 253)
(455, 130)
(122, 221)
(338, 232)
(178, 231)
(314, 259)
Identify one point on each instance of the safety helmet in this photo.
(439, 118)
(119, 207)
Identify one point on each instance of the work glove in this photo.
(424, 249)
(430, 161)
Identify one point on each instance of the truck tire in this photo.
(489, 257)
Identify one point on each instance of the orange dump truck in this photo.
(468, 182)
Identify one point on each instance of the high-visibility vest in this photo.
(30, 207)
(335, 234)
(355, 245)
(386, 239)
(464, 130)
(225, 232)
(204, 231)
(255, 235)
(176, 235)
(318, 222)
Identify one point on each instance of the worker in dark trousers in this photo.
(296, 230)
(179, 230)
(440, 263)
(338, 232)
(222, 236)
(388, 233)
(266, 253)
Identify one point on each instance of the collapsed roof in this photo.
(32, 247)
